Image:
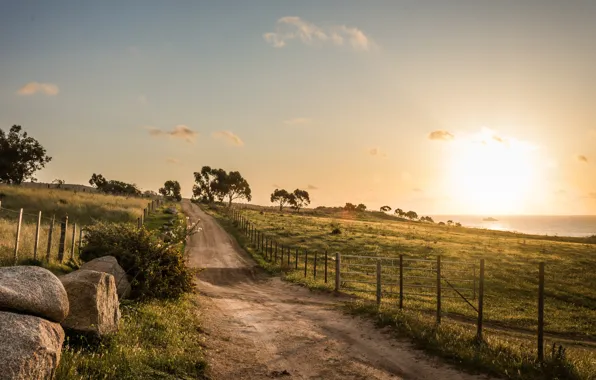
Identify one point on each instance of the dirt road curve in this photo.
(259, 327)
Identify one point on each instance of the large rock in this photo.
(109, 264)
(34, 291)
(30, 347)
(93, 302)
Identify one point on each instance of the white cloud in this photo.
(582, 158)
(298, 121)
(294, 28)
(229, 137)
(312, 187)
(180, 131)
(173, 161)
(32, 88)
(440, 135)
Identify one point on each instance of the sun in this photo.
(491, 175)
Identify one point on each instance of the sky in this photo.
(441, 107)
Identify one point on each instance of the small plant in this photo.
(336, 231)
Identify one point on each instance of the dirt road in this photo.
(259, 327)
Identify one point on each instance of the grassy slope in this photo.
(505, 354)
(156, 340)
(82, 208)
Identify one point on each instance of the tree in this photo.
(361, 207)
(350, 207)
(412, 215)
(98, 181)
(20, 156)
(171, 189)
(211, 184)
(385, 209)
(458, 224)
(450, 222)
(299, 199)
(202, 188)
(429, 219)
(280, 196)
(399, 212)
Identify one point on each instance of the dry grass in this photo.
(82, 208)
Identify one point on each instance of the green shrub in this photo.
(157, 269)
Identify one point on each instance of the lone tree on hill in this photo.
(282, 197)
(299, 199)
(361, 207)
(218, 184)
(171, 189)
(399, 212)
(20, 156)
(385, 209)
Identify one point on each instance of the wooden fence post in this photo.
(50, 235)
(541, 312)
(325, 266)
(80, 239)
(378, 283)
(18, 237)
(145, 213)
(276, 252)
(305, 261)
(314, 273)
(36, 242)
(74, 240)
(288, 253)
(63, 227)
(139, 223)
(439, 289)
(337, 271)
(296, 261)
(480, 301)
(281, 262)
(401, 281)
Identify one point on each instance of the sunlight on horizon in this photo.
(490, 174)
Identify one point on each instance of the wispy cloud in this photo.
(440, 135)
(180, 131)
(32, 88)
(229, 137)
(298, 121)
(592, 195)
(173, 161)
(376, 152)
(276, 186)
(582, 158)
(312, 187)
(560, 192)
(417, 190)
(294, 28)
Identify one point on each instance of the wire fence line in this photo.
(391, 279)
(26, 235)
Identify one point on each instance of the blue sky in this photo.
(336, 96)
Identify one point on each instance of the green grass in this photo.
(156, 339)
(82, 208)
(511, 286)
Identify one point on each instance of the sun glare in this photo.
(490, 174)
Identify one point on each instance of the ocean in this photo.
(576, 225)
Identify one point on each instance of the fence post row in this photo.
(74, 240)
(50, 235)
(36, 242)
(305, 261)
(401, 281)
(325, 266)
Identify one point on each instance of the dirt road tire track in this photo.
(259, 327)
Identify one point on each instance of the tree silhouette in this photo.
(113, 186)
(202, 188)
(385, 208)
(412, 215)
(450, 222)
(171, 189)
(350, 207)
(361, 207)
(229, 185)
(299, 198)
(20, 156)
(399, 212)
(282, 197)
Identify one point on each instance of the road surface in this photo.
(259, 327)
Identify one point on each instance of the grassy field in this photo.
(82, 208)
(510, 287)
